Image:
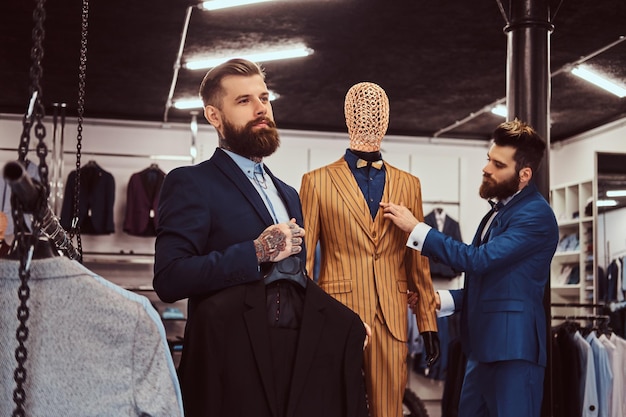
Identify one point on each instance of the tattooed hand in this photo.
(279, 241)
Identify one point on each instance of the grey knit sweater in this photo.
(94, 349)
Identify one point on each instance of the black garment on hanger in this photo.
(96, 200)
(451, 228)
(142, 200)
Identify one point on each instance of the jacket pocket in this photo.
(402, 286)
(337, 287)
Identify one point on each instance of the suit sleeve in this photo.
(419, 272)
(185, 264)
(156, 389)
(525, 233)
(311, 215)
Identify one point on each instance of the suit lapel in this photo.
(349, 191)
(292, 206)
(242, 183)
(255, 318)
(390, 193)
(313, 320)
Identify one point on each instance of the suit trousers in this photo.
(511, 388)
(385, 370)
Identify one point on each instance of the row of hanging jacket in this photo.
(588, 371)
(97, 198)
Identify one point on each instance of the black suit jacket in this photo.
(95, 203)
(209, 215)
(450, 228)
(226, 366)
(142, 198)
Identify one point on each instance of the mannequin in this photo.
(364, 261)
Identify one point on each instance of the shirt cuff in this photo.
(418, 236)
(447, 304)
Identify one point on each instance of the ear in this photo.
(212, 115)
(525, 175)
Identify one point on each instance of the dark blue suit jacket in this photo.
(502, 313)
(209, 215)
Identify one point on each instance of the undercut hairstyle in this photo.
(529, 146)
(211, 90)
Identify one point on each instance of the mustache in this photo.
(270, 123)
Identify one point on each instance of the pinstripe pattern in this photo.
(366, 264)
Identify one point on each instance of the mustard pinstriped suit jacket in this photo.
(366, 262)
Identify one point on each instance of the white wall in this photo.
(450, 170)
(573, 160)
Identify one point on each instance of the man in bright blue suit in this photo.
(507, 267)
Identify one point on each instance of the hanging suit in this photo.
(95, 205)
(365, 263)
(230, 365)
(451, 228)
(94, 349)
(142, 199)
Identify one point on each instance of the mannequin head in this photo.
(367, 116)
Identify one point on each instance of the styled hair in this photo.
(529, 146)
(211, 90)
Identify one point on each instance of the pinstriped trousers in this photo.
(385, 370)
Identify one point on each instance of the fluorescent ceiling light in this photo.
(191, 103)
(616, 193)
(294, 52)
(224, 4)
(196, 103)
(592, 77)
(499, 110)
(607, 203)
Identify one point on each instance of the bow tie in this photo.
(495, 206)
(375, 164)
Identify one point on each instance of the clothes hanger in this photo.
(290, 269)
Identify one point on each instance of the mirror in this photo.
(611, 222)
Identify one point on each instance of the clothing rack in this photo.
(617, 305)
(131, 155)
(591, 317)
(586, 317)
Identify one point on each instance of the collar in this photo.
(245, 164)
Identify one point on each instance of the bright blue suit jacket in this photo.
(209, 215)
(502, 312)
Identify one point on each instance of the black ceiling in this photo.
(440, 61)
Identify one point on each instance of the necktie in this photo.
(495, 206)
(489, 217)
(375, 164)
(259, 178)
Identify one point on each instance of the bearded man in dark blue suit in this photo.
(507, 267)
(252, 346)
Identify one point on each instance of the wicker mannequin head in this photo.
(367, 116)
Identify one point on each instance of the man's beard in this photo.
(505, 189)
(251, 143)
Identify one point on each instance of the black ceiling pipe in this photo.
(528, 73)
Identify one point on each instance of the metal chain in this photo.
(21, 354)
(75, 229)
(26, 242)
